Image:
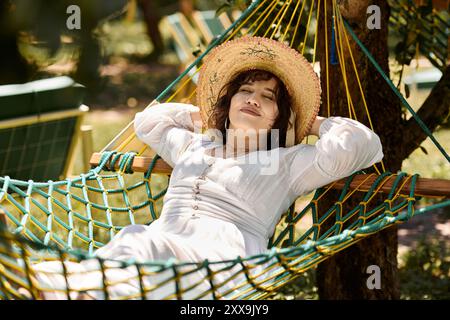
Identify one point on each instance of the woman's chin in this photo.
(246, 130)
(245, 125)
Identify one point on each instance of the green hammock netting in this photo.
(66, 221)
(61, 217)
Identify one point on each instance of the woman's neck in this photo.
(239, 142)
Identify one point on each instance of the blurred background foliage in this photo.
(34, 34)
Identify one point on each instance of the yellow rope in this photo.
(182, 86)
(272, 6)
(342, 63)
(356, 73)
(298, 23)
(357, 188)
(287, 4)
(290, 21)
(274, 2)
(307, 26)
(358, 81)
(275, 19)
(317, 32)
(248, 18)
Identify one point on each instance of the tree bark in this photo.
(151, 18)
(14, 68)
(344, 275)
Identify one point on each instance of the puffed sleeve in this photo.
(167, 128)
(344, 147)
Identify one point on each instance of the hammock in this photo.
(68, 220)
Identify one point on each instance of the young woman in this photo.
(231, 184)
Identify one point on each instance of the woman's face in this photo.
(254, 105)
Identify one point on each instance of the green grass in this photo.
(425, 271)
(431, 164)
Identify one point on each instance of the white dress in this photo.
(222, 208)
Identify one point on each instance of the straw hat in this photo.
(231, 58)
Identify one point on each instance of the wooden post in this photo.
(87, 150)
(87, 146)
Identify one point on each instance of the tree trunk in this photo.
(13, 66)
(344, 275)
(90, 58)
(151, 18)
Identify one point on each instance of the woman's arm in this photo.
(167, 128)
(344, 147)
(316, 126)
(196, 120)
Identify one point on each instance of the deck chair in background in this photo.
(40, 124)
(211, 25)
(187, 44)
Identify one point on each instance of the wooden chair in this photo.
(187, 43)
(40, 124)
(209, 25)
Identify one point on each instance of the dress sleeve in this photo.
(344, 147)
(167, 128)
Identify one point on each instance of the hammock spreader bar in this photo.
(425, 186)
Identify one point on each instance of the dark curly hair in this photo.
(222, 106)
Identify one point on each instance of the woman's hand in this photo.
(197, 121)
(316, 125)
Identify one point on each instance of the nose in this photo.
(252, 100)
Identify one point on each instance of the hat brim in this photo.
(231, 58)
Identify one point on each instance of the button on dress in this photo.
(219, 208)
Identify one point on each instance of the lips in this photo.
(250, 111)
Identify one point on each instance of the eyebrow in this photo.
(273, 91)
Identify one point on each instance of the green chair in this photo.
(190, 37)
(40, 124)
(211, 25)
(186, 41)
(187, 44)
